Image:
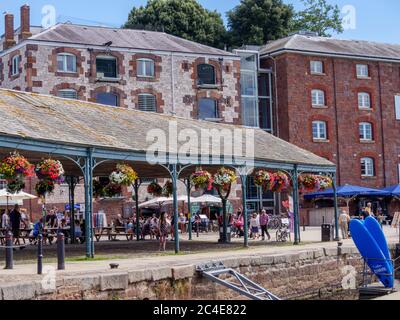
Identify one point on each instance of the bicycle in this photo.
(274, 222)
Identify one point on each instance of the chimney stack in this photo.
(25, 23)
(9, 31)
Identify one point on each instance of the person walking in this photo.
(344, 220)
(264, 219)
(15, 220)
(163, 230)
(254, 226)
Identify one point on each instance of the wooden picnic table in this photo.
(111, 233)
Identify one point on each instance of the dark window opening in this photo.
(208, 109)
(106, 67)
(206, 74)
(108, 99)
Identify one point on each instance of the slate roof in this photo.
(313, 44)
(124, 38)
(76, 123)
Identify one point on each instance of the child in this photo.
(254, 225)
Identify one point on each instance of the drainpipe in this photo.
(382, 130)
(338, 174)
(172, 83)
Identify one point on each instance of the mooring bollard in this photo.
(9, 251)
(61, 251)
(40, 255)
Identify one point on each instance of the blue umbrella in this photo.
(393, 190)
(348, 191)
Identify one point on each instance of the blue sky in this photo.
(375, 20)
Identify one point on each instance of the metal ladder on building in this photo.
(243, 285)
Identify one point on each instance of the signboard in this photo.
(396, 220)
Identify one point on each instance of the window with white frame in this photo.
(68, 94)
(364, 100)
(318, 98)
(397, 107)
(66, 62)
(319, 131)
(15, 65)
(362, 71)
(367, 167)
(147, 102)
(145, 68)
(366, 133)
(317, 67)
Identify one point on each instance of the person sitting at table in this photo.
(78, 231)
(37, 229)
(130, 228)
(182, 223)
(51, 219)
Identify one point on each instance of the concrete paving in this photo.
(23, 272)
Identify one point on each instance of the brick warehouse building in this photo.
(340, 99)
(149, 71)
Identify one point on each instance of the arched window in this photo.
(366, 133)
(66, 62)
(206, 74)
(364, 100)
(319, 130)
(145, 68)
(68, 94)
(208, 109)
(107, 98)
(15, 65)
(318, 98)
(147, 102)
(367, 167)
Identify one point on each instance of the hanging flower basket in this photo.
(308, 183)
(123, 175)
(202, 179)
(264, 179)
(44, 187)
(281, 182)
(168, 189)
(15, 166)
(49, 169)
(99, 189)
(224, 178)
(155, 189)
(15, 185)
(325, 183)
(112, 190)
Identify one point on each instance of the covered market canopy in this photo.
(90, 139)
(393, 191)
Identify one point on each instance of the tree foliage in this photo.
(258, 21)
(183, 18)
(318, 16)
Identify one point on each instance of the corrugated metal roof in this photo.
(80, 123)
(324, 45)
(124, 38)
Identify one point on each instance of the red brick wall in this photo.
(342, 114)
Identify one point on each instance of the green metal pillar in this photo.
(136, 186)
(296, 217)
(335, 202)
(189, 189)
(243, 177)
(174, 174)
(72, 182)
(87, 209)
